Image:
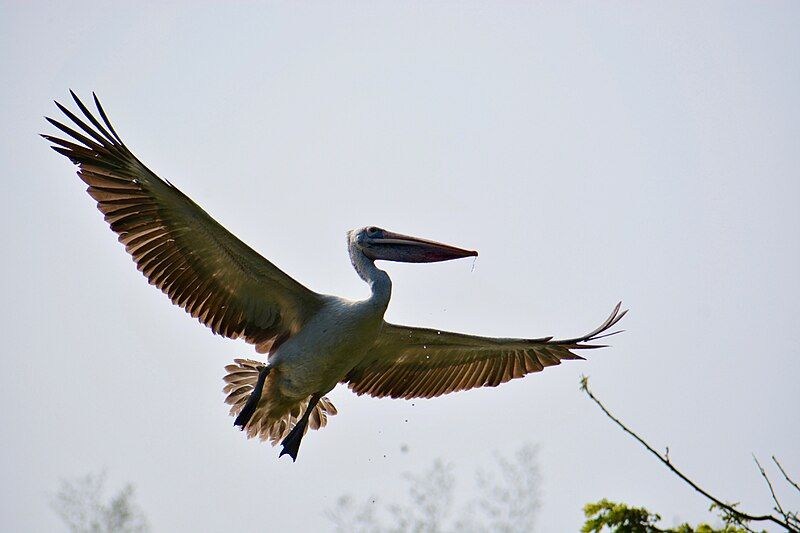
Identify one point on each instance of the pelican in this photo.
(313, 341)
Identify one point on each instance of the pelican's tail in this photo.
(272, 420)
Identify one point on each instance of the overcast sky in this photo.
(591, 152)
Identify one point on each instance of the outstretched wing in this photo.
(177, 246)
(409, 362)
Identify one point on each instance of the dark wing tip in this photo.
(580, 343)
(62, 108)
(105, 119)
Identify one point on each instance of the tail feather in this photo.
(265, 424)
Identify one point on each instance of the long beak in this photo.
(403, 248)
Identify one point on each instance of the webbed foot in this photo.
(291, 444)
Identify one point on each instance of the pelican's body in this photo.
(333, 342)
(323, 352)
(314, 341)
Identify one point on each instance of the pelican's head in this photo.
(380, 244)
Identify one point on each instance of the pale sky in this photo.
(591, 152)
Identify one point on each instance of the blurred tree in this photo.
(508, 495)
(82, 506)
(507, 500)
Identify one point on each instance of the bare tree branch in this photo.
(788, 479)
(778, 506)
(666, 461)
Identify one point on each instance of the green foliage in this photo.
(618, 518)
(606, 516)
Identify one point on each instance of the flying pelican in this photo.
(314, 341)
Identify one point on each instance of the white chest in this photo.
(330, 345)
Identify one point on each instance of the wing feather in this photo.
(177, 246)
(410, 362)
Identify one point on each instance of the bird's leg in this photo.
(252, 402)
(291, 444)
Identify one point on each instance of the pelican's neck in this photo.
(379, 282)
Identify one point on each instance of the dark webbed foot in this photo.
(252, 402)
(291, 444)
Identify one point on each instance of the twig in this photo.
(668, 463)
(790, 516)
(771, 490)
(791, 482)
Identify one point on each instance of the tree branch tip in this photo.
(788, 518)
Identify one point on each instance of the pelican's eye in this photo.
(372, 231)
